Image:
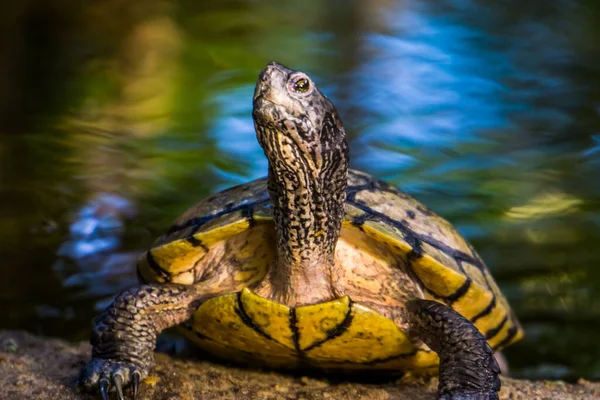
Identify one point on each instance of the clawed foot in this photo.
(105, 375)
(465, 395)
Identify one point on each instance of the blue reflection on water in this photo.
(432, 84)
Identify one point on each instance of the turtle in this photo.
(315, 266)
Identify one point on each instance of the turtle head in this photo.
(296, 125)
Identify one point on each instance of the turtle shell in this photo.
(382, 226)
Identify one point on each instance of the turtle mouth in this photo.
(265, 110)
(262, 99)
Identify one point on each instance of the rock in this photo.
(34, 367)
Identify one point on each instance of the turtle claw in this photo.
(106, 375)
(104, 389)
(136, 384)
(117, 380)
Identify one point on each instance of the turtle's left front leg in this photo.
(468, 369)
(124, 335)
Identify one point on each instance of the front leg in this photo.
(468, 369)
(124, 335)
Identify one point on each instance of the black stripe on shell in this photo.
(247, 214)
(196, 242)
(491, 333)
(154, 266)
(293, 321)
(239, 310)
(373, 186)
(336, 330)
(510, 334)
(460, 292)
(359, 220)
(197, 222)
(486, 311)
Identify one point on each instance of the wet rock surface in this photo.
(33, 367)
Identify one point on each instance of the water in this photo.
(488, 113)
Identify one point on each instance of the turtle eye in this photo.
(301, 85)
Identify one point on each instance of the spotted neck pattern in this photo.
(308, 206)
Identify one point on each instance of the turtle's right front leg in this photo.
(124, 335)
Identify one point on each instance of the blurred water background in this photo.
(115, 116)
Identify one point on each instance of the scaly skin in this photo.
(124, 335)
(468, 369)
